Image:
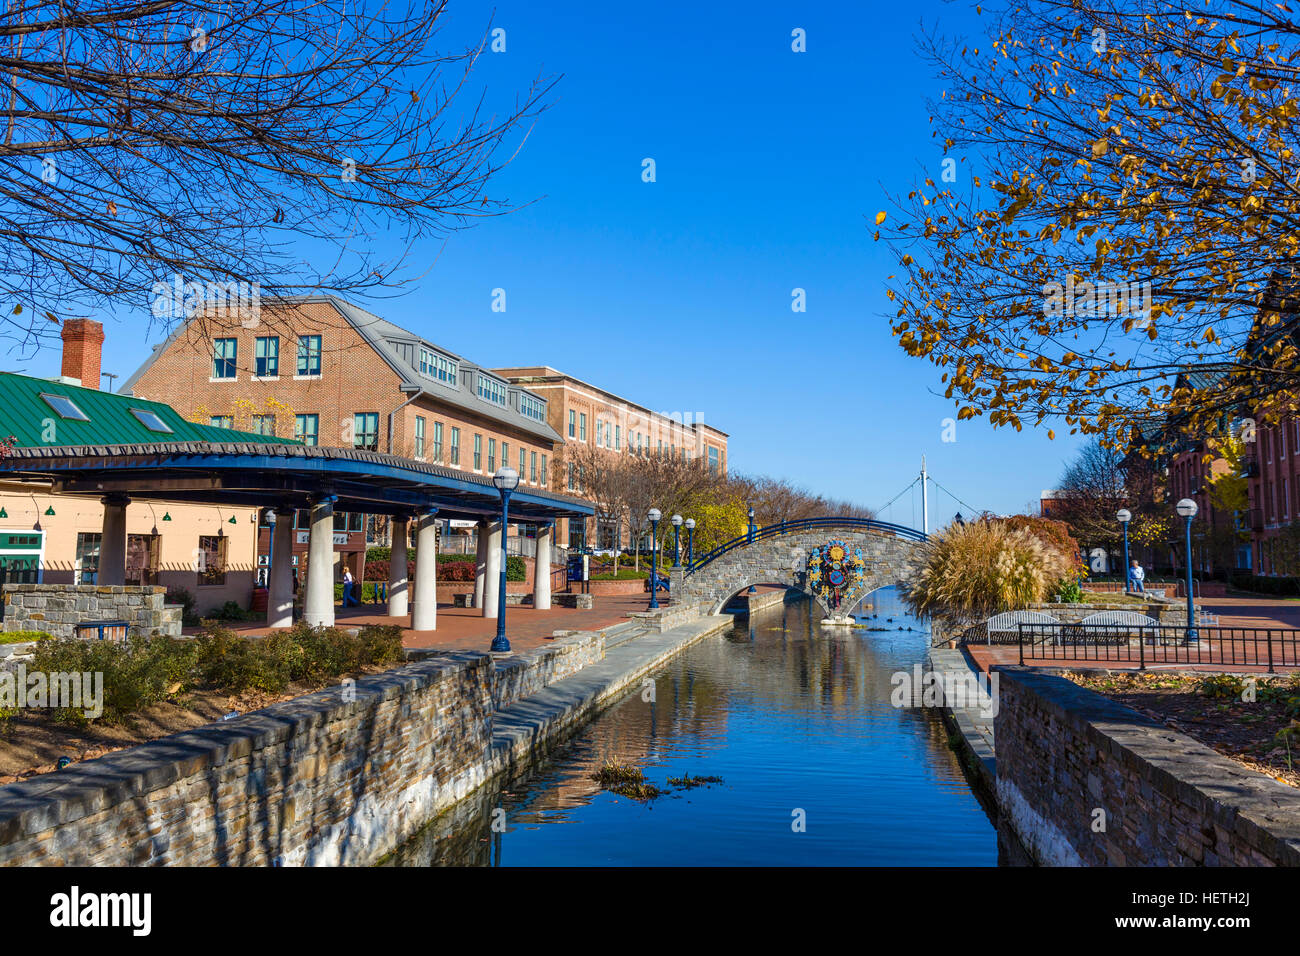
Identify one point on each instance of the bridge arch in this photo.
(779, 554)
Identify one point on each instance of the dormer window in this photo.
(532, 407)
(491, 390)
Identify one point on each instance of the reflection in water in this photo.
(794, 717)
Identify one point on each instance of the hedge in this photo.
(1262, 584)
(451, 567)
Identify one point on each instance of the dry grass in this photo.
(984, 568)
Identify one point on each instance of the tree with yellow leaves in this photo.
(1116, 202)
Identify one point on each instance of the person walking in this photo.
(1135, 577)
(349, 599)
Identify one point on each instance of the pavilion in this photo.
(118, 449)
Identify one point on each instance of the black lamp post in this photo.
(1124, 515)
(655, 515)
(751, 524)
(690, 542)
(677, 541)
(506, 480)
(1187, 508)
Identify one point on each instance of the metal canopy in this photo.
(267, 475)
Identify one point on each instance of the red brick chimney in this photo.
(83, 340)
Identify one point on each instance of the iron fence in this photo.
(1161, 644)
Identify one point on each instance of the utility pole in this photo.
(925, 500)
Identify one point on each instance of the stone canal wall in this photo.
(342, 776)
(1085, 781)
(324, 779)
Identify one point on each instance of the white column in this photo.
(112, 546)
(542, 569)
(492, 569)
(397, 583)
(279, 600)
(480, 561)
(424, 616)
(319, 608)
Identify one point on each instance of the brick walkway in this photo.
(461, 628)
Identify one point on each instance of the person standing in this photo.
(349, 600)
(1136, 576)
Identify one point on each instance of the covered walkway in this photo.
(288, 476)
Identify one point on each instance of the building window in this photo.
(212, 559)
(523, 460)
(532, 467)
(492, 455)
(264, 424)
(571, 484)
(365, 430)
(419, 437)
(306, 428)
(491, 390)
(618, 438)
(543, 471)
(600, 434)
(478, 452)
(150, 420)
(505, 453)
(221, 421)
(713, 459)
(455, 446)
(573, 418)
(582, 427)
(224, 352)
(309, 355)
(437, 442)
(141, 559)
(533, 407)
(427, 366)
(88, 557)
(268, 356)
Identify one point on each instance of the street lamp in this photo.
(961, 522)
(751, 524)
(506, 480)
(677, 541)
(690, 541)
(655, 515)
(1124, 515)
(1187, 508)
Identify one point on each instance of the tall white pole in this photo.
(925, 500)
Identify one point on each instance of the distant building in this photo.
(582, 413)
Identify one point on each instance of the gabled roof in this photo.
(110, 418)
(399, 348)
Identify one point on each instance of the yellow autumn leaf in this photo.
(880, 217)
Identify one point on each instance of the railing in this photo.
(806, 524)
(1160, 644)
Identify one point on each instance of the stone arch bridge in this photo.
(781, 553)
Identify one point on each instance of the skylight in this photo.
(150, 420)
(65, 407)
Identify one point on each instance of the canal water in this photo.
(817, 766)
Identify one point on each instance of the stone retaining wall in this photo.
(59, 608)
(1083, 780)
(341, 776)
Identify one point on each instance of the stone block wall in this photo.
(338, 777)
(1070, 761)
(59, 608)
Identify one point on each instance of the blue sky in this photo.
(677, 293)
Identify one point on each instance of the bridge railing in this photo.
(805, 524)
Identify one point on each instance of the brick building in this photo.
(1273, 469)
(583, 413)
(326, 372)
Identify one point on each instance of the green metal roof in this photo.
(34, 424)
